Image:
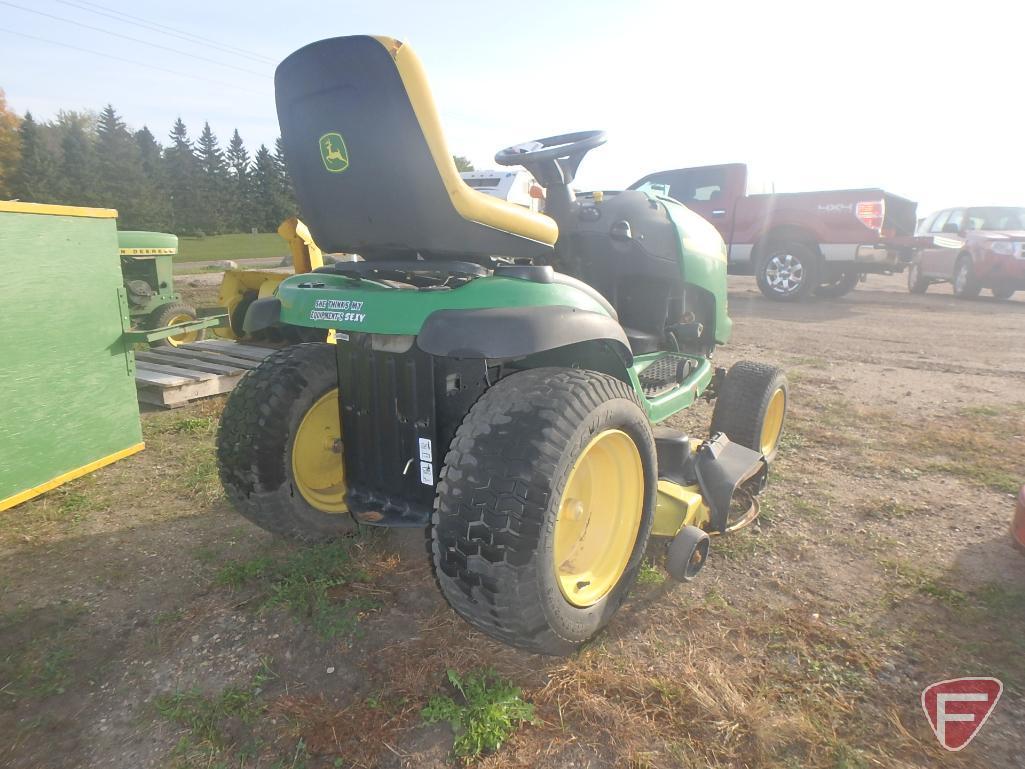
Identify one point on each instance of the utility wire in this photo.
(133, 39)
(163, 29)
(127, 61)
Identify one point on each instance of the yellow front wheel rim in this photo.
(185, 338)
(772, 425)
(599, 518)
(317, 465)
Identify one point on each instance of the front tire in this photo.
(965, 285)
(917, 282)
(544, 507)
(279, 446)
(168, 314)
(787, 272)
(751, 407)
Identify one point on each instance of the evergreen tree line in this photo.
(186, 187)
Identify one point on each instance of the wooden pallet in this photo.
(173, 376)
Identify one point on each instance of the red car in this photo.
(973, 248)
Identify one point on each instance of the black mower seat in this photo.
(372, 171)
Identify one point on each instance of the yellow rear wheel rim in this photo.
(187, 337)
(599, 518)
(317, 467)
(772, 425)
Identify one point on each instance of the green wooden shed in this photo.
(67, 394)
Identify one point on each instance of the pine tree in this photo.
(36, 179)
(239, 170)
(182, 176)
(10, 146)
(79, 183)
(270, 205)
(212, 186)
(156, 207)
(287, 188)
(120, 177)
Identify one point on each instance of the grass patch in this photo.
(650, 574)
(37, 651)
(205, 718)
(888, 509)
(234, 246)
(924, 583)
(981, 473)
(489, 710)
(309, 583)
(193, 425)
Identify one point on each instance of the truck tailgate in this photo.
(899, 218)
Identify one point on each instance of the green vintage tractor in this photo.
(147, 266)
(498, 374)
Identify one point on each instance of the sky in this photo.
(924, 99)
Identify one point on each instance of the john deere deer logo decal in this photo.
(333, 152)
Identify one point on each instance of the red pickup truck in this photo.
(796, 243)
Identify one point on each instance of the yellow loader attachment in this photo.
(240, 288)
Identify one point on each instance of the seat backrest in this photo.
(372, 172)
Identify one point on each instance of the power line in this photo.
(126, 61)
(133, 39)
(163, 29)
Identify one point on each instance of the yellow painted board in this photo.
(35, 491)
(17, 207)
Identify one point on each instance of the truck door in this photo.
(948, 240)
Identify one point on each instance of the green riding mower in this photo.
(497, 374)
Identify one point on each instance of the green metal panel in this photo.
(334, 301)
(704, 260)
(67, 393)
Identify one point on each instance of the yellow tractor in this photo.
(240, 288)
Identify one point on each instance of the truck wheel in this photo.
(175, 312)
(787, 272)
(843, 285)
(917, 282)
(965, 285)
(279, 445)
(751, 406)
(1002, 293)
(544, 507)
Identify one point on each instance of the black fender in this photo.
(514, 332)
(262, 313)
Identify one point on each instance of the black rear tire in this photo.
(742, 405)
(499, 500)
(917, 282)
(256, 437)
(843, 285)
(1002, 293)
(787, 272)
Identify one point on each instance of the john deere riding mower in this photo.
(498, 373)
(148, 272)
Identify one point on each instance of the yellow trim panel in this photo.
(35, 491)
(469, 203)
(17, 207)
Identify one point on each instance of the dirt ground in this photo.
(145, 624)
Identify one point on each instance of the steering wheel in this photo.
(554, 159)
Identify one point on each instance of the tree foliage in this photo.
(187, 187)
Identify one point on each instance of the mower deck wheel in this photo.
(751, 407)
(279, 447)
(544, 507)
(168, 314)
(687, 554)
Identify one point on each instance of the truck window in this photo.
(939, 221)
(956, 217)
(689, 185)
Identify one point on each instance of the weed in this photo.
(650, 574)
(304, 582)
(193, 424)
(490, 711)
(924, 583)
(203, 717)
